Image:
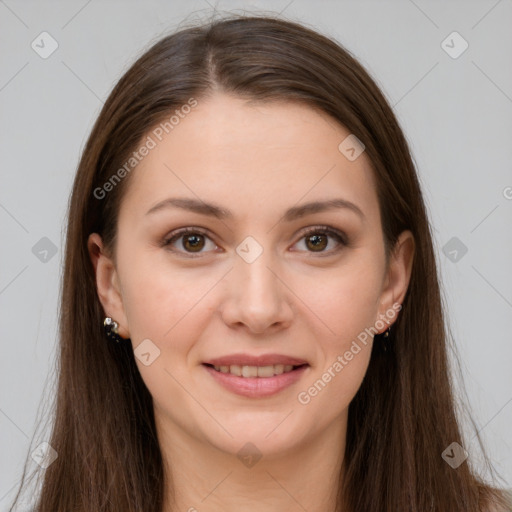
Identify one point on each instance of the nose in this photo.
(256, 296)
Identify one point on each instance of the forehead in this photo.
(250, 157)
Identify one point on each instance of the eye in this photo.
(193, 240)
(316, 239)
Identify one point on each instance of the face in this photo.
(259, 285)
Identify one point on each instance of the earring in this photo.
(111, 329)
(385, 339)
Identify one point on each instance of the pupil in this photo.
(196, 242)
(317, 242)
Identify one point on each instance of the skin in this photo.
(256, 160)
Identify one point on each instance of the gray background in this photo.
(456, 113)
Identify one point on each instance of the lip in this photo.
(257, 387)
(250, 360)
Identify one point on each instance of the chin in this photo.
(264, 434)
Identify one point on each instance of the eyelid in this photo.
(341, 239)
(328, 230)
(178, 233)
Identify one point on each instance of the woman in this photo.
(251, 314)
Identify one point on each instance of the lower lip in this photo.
(256, 387)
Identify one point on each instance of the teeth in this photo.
(249, 371)
(265, 371)
(235, 370)
(255, 371)
(278, 369)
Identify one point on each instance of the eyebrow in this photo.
(293, 213)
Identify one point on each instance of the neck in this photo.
(202, 478)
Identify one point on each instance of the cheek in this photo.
(348, 308)
(334, 387)
(346, 303)
(162, 304)
(168, 306)
(158, 296)
(345, 299)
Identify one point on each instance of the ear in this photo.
(107, 284)
(398, 274)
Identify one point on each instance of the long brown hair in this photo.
(405, 412)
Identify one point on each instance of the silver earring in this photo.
(111, 329)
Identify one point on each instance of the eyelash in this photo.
(340, 237)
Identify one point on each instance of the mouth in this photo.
(262, 372)
(256, 377)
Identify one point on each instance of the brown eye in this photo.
(316, 242)
(193, 241)
(317, 239)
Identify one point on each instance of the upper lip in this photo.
(249, 360)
